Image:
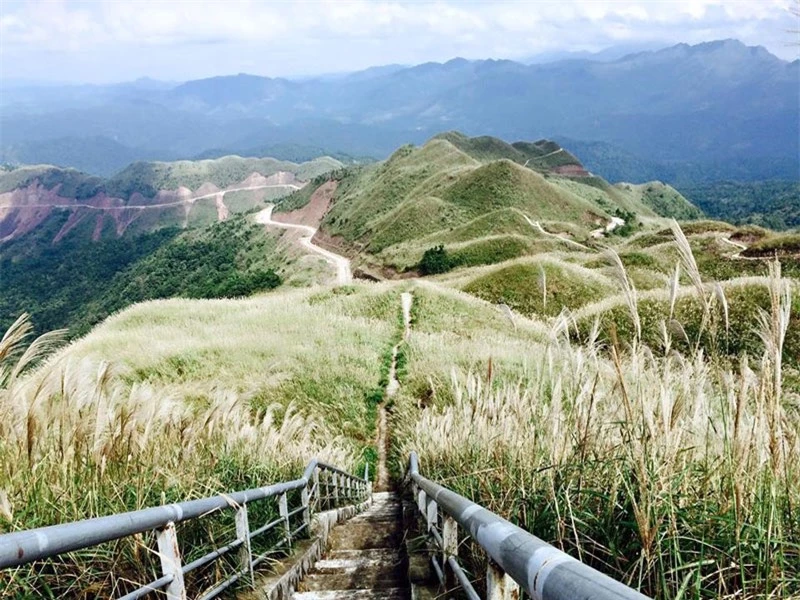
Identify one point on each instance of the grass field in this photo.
(634, 400)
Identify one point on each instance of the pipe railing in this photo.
(23, 547)
(517, 559)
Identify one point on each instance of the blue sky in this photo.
(107, 41)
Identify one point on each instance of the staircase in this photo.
(365, 559)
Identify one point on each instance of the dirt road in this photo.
(161, 205)
(343, 273)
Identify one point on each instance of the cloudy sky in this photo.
(118, 40)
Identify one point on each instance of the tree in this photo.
(435, 260)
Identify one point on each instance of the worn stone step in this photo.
(365, 536)
(355, 560)
(368, 579)
(388, 594)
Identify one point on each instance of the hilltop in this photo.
(484, 199)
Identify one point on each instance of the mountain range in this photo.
(717, 110)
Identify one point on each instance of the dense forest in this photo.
(772, 204)
(77, 282)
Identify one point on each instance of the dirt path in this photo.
(739, 248)
(343, 273)
(612, 225)
(537, 226)
(382, 436)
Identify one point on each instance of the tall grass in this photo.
(675, 472)
(81, 436)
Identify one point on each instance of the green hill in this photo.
(148, 178)
(460, 189)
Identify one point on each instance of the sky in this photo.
(121, 40)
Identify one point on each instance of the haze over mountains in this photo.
(717, 110)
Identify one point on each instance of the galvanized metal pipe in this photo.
(23, 547)
(543, 571)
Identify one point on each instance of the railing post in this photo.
(335, 490)
(243, 534)
(421, 501)
(499, 586)
(170, 554)
(432, 514)
(450, 542)
(283, 510)
(304, 498)
(317, 492)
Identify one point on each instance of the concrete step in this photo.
(365, 559)
(390, 594)
(367, 536)
(353, 560)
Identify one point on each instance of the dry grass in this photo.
(201, 398)
(674, 472)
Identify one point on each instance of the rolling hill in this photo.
(483, 198)
(579, 357)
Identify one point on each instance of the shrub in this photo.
(435, 260)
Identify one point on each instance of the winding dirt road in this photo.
(344, 274)
(160, 205)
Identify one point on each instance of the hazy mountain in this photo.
(606, 55)
(717, 103)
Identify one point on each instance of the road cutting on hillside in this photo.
(344, 274)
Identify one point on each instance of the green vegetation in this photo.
(217, 263)
(774, 204)
(77, 282)
(435, 261)
(538, 287)
(57, 283)
(70, 183)
(467, 190)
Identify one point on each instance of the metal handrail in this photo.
(23, 547)
(541, 570)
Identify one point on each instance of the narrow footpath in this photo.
(382, 441)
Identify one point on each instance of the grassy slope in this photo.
(199, 397)
(458, 189)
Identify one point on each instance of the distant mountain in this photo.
(615, 164)
(609, 54)
(714, 105)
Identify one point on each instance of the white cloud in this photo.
(356, 33)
